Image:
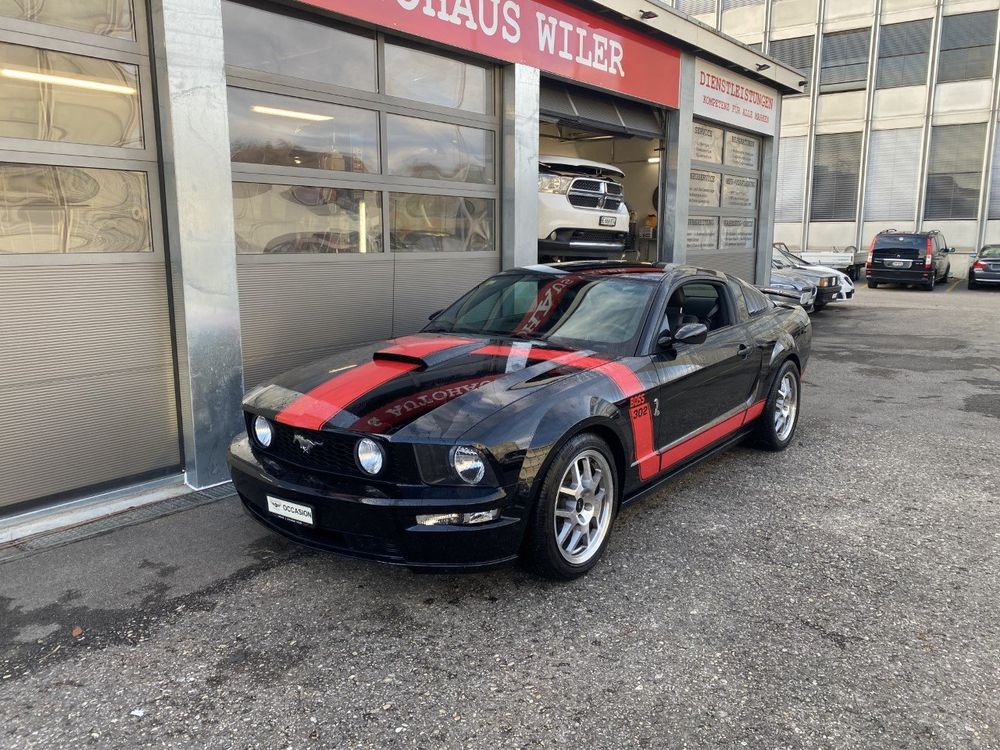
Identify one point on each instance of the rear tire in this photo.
(929, 286)
(776, 425)
(973, 284)
(575, 510)
(872, 284)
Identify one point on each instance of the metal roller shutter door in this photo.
(574, 106)
(893, 175)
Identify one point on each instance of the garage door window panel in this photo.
(440, 81)
(434, 150)
(291, 47)
(441, 223)
(967, 44)
(53, 209)
(111, 19)
(306, 219)
(835, 177)
(49, 95)
(291, 132)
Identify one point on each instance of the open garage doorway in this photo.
(599, 176)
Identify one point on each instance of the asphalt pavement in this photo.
(843, 594)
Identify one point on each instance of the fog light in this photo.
(459, 519)
(468, 464)
(370, 455)
(263, 432)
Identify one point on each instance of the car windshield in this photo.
(792, 259)
(778, 260)
(990, 251)
(603, 313)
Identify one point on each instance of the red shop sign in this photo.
(551, 35)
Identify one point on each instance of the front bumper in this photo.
(826, 294)
(377, 521)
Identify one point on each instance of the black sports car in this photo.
(520, 420)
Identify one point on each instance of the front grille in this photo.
(585, 201)
(333, 453)
(593, 186)
(602, 195)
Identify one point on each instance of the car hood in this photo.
(580, 166)
(800, 283)
(427, 386)
(827, 271)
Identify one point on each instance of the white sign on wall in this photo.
(722, 95)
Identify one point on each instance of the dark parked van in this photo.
(918, 258)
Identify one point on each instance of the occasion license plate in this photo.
(292, 511)
(609, 221)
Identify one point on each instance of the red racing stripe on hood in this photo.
(314, 409)
(640, 415)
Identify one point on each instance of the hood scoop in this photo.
(390, 356)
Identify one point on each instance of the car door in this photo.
(702, 384)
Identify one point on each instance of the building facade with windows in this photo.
(896, 125)
(196, 195)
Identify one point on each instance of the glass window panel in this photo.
(105, 17)
(434, 79)
(441, 223)
(288, 46)
(283, 130)
(295, 219)
(47, 209)
(56, 96)
(438, 150)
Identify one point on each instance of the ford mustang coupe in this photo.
(523, 417)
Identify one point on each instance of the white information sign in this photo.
(705, 187)
(737, 234)
(703, 233)
(738, 192)
(742, 151)
(722, 95)
(707, 143)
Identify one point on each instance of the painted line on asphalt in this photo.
(952, 287)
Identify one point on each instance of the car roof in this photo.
(597, 268)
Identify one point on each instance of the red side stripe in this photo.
(702, 440)
(314, 409)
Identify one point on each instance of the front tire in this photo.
(776, 425)
(576, 508)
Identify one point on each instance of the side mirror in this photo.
(434, 314)
(691, 333)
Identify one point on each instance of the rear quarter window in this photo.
(756, 302)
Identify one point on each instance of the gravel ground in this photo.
(843, 594)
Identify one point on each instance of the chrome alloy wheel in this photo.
(786, 406)
(585, 502)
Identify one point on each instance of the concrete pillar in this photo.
(520, 166)
(676, 169)
(194, 130)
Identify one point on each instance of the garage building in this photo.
(196, 195)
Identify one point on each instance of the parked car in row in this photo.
(827, 283)
(523, 417)
(846, 281)
(984, 267)
(910, 258)
(847, 260)
(791, 289)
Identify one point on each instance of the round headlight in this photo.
(263, 431)
(370, 455)
(468, 464)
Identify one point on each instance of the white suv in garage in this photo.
(581, 209)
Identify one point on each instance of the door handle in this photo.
(743, 351)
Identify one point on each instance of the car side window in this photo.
(702, 302)
(756, 301)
